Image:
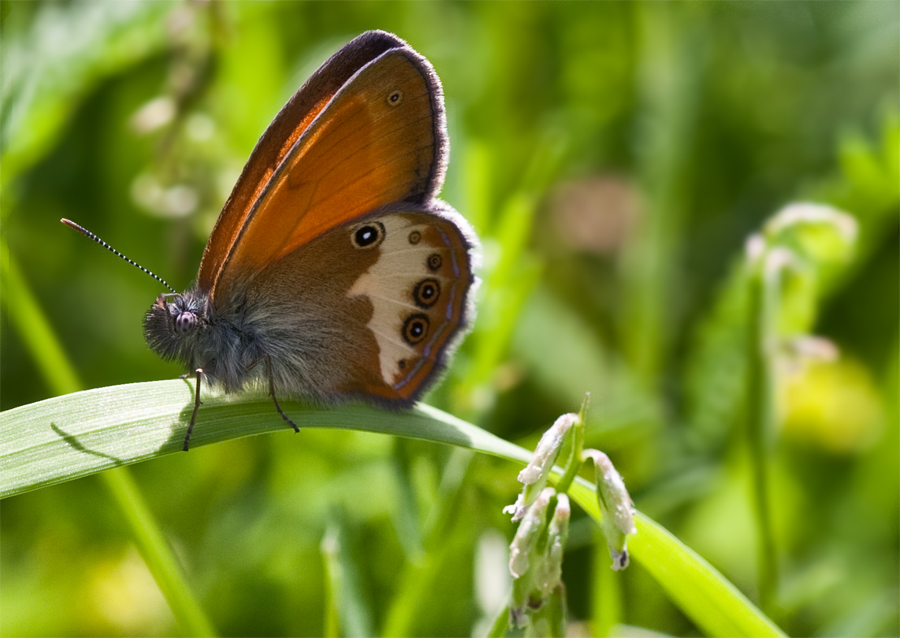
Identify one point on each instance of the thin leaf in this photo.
(347, 594)
(37, 334)
(82, 433)
(78, 434)
(715, 605)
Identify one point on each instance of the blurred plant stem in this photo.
(348, 611)
(500, 625)
(671, 58)
(420, 576)
(778, 316)
(576, 460)
(511, 272)
(607, 596)
(329, 548)
(764, 285)
(26, 315)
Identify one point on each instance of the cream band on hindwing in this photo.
(413, 290)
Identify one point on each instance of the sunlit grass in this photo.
(706, 119)
(84, 437)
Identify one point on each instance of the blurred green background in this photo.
(615, 158)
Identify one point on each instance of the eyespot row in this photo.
(371, 235)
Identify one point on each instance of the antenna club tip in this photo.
(71, 224)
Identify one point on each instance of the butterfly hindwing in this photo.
(384, 300)
(419, 290)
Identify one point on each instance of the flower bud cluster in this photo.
(536, 552)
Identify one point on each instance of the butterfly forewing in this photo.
(380, 140)
(278, 139)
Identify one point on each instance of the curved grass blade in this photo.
(82, 433)
(86, 432)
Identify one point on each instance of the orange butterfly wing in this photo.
(338, 150)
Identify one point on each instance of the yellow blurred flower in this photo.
(833, 405)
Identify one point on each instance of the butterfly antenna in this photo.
(90, 235)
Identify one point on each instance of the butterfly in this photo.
(333, 272)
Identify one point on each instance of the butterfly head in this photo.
(173, 323)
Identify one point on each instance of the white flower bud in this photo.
(547, 450)
(537, 472)
(529, 529)
(615, 506)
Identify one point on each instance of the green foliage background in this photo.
(614, 158)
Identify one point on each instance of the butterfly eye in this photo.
(185, 322)
(368, 236)
(415, 328)
(395, 98)
(426, 293)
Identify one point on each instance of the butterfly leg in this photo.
(187, 437)
(272, 394)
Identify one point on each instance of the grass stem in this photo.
(760, 420)
(38, 336)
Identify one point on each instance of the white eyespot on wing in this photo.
(402, 263)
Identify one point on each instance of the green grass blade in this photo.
(350, 611)
(715, 605)
(157, 554)
(78, 434)
(82, 433)
(38, 335)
